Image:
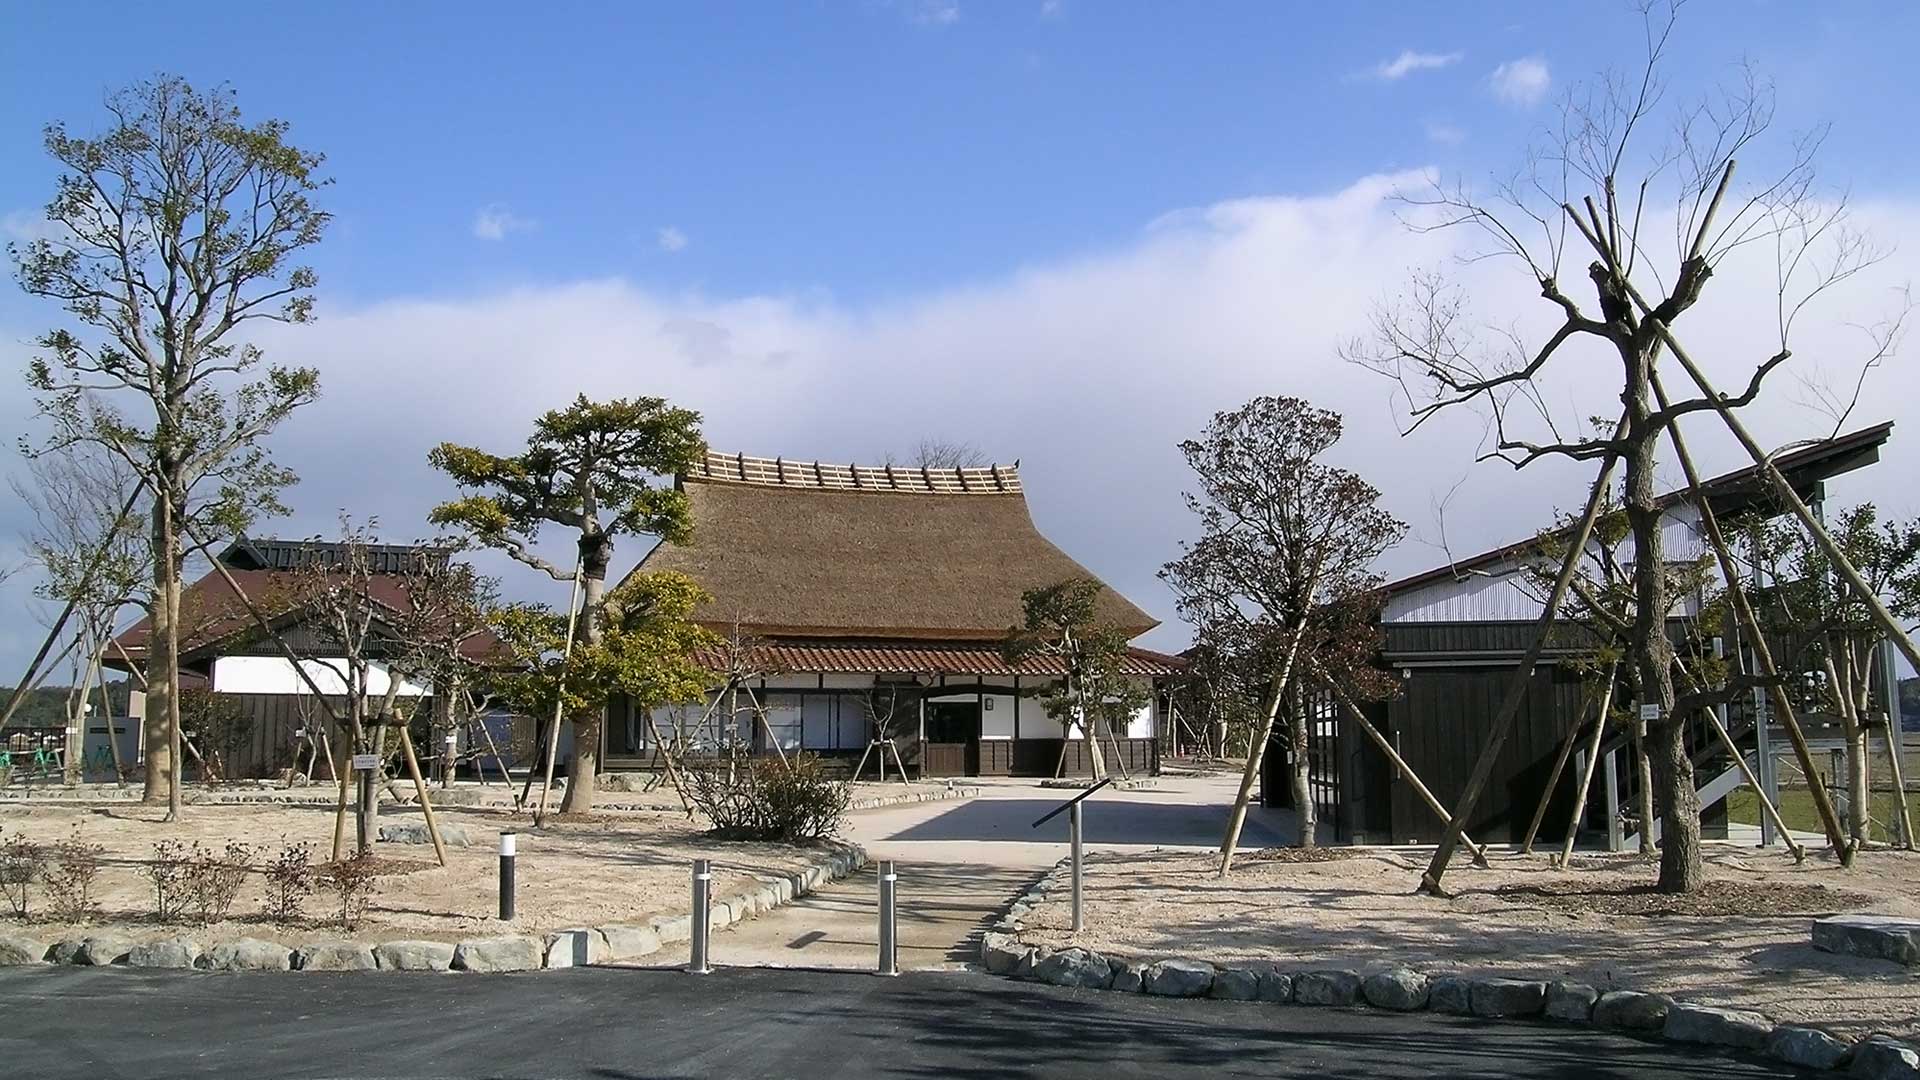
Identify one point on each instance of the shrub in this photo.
(352, 880)
(764, 799)
(214, 879)
(69, 876)
(289, 883)
(21, 861)
(167, 870)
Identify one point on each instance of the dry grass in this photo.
(1743, 943)
(610, 867)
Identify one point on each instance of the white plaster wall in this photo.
(1502, 592)
(276, 675)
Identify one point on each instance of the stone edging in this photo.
(1135, 783)
(1652, 1015)
(907, 797)
(613, 943)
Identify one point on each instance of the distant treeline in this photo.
(47, 706)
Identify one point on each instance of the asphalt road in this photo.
(614, 1024)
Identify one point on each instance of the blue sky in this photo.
(864, 148)
(1065, 231)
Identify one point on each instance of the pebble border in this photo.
(609, 944)
(876, 802)
(1650, 1015)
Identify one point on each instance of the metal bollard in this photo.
(702, 912)
(889, 940)
(507, 844)
(1073, 819)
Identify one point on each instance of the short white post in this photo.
(1073, 820)
(507, 851)
(702, 913)
(889, 941)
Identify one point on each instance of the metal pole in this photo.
(363, 818)
(1763, 744)
(507, 844)
(1073, 820)
(1611, 766)
(889, 942)
(702, 911)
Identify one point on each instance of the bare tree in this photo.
(943, 454)
(92, 556)
(1281, 575)
(172, 230)
(1600, 182)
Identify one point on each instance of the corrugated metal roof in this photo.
(1802, 467)
(893, 658)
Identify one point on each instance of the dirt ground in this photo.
(618, 865)
(1594, 923)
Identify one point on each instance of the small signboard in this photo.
(1650, 712)
(366, 761)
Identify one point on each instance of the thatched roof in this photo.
(792, 552)
(214, 620)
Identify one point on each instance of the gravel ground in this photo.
(1596, 923)
(612, 867)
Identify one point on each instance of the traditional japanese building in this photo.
(1455, 634)
(845, 578)
(223, 649)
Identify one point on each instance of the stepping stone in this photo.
(1878, 937)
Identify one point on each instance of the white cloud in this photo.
(1053, 9)
(670, 238)
(1445, 134)
(1522, 82)
(1088, 369)
(1410, 61)
(26, 226)
(934, 12)
(494, 221)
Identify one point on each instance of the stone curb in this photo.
(1137, 783)
(609, 944)
(907, 798)
(1649, 1015)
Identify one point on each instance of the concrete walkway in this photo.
(961, 863)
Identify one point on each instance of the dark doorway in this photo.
(953, 738)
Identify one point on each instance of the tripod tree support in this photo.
(1553, 781)
(1586, 773)
(1523, 675)
(1406, 772)
(559, 697)
(1743, 611)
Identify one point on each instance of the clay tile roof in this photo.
(806, 549)
(895, 658)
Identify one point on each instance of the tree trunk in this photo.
(596, 552)
(163, 661)
(1300, 766)
(1681, 869)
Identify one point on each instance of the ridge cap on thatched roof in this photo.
(718, 467)
(804, 551)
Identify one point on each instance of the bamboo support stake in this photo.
(1766, 804)
(1743, 611)
(1586, 772)
(340, 806)
(1553, 781)
(1895, 747)
(1523, 675)
(560, 697)
(420, 785)
(19, 692)
(673, 772)
(1413, 778)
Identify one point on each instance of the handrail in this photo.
(1068, 805)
